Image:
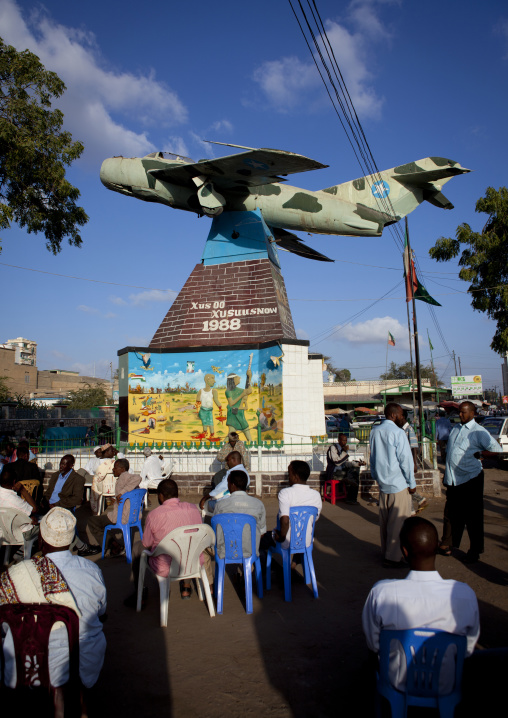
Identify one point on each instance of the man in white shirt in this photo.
(239, 502)
(297, 494)
(234, 463)
(153, 470)
(422, 600)
(94, 462)
(80, 587)
(13, 495)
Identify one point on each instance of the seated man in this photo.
(421, 600)
(234, 443)
(153, 470)
(297, 494)
(13, 495)
(339, 467)
(96, 524)
(170, 514)
(80, 587)
(103, 480)
(233, 462)
(239, 502)
(65, 487)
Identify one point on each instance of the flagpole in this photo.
(412, 363)
(417, 349)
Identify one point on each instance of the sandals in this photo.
(444, 551)
(185, 592)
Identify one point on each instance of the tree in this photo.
(403, 371)
(34, 152)
(5, 392)
(484, 261)
(343, 375)
(88, 396)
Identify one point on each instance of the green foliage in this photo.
(339, 374)
(403, 371)
(5, 392)
(88, 396)
(484, 261)
(34, 151)
(343, 375)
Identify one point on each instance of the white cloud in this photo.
(118, 301)
(98, 99)
(176, 145)
(289, 83)
(375, 331)
(92, 310)
(221, 126)
(152, 295)
(302, 334)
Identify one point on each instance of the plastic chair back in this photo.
(10, 526)
(423, 649)
(299, 517)
(136, 503)
(32, 486)
(232, 527)
(184, 545)
(30, 625)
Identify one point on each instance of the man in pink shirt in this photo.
(170, 514)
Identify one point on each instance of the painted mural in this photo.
(201, 396)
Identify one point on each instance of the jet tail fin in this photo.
(392, 194)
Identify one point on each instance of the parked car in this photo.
(497, 426)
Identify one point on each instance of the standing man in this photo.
(233, 443)
(464, 483)
(105, 432)
(391, 465)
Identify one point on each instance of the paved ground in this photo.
(305, 658)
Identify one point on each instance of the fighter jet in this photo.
(254, 179)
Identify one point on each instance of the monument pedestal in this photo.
(225, 356)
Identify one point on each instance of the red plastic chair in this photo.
(334, 490)
(30, 625)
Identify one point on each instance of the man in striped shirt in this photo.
(170, 514)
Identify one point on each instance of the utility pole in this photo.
(460, 368)
(417, 352)
(455, 363)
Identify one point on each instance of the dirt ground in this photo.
(305, 658)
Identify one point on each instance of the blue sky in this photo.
(427, 79)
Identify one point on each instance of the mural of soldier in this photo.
(237, 402)
(204, 402)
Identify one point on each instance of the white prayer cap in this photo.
(147, 451)
(58, 527)
(120, 455)
(97, 448)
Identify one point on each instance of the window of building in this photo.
(27, 378)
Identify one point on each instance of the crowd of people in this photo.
(422, 599)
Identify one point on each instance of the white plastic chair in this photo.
(184, 545)
(11, 534)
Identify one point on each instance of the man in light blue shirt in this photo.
(391, 465)
(464, 483)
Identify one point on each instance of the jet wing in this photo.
(245, 169)
(291, 243)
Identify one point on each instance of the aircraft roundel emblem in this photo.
(255, 164)
(380, 189)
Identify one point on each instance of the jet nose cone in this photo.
(108, 173)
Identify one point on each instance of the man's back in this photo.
(298, 495)
(26, 471)
(170, 515)
(239, 502)
(422, 600)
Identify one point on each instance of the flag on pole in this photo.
(413, 286)
(430, 343)
(391, 340)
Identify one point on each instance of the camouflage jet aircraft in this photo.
(251, 180)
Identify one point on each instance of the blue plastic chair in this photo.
(299, 517)
(232, 527)
(136, 503)
(424, 649)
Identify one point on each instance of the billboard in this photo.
(466, 385)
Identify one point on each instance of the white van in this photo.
(497, 426)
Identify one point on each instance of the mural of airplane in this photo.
(254, 179)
